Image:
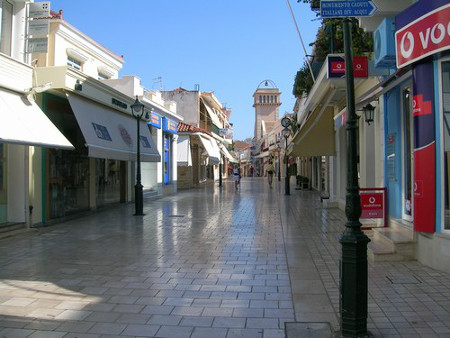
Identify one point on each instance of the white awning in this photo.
(111, 134)
(23, 122)
(263, 154)
(213, 152)
(213, 116)
(184, 151)
(226, 153)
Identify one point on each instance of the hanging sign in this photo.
(39, 9)
(155, 120)
(170, 126)
(336, 67)
(37, 45)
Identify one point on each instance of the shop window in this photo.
(6, 10)
(74, 63)
(107, 181)
(446, 132)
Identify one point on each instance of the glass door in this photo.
(408, 154)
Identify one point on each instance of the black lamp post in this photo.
(137, 109)
(353, 276)
(279, 161)
(286, 133)
(220, 170)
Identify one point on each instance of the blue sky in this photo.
(225, 46)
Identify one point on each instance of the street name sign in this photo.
(347, 8)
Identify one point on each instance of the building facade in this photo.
(24, 129)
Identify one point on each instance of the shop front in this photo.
(23, 124)
(417, 133)
(99, 170)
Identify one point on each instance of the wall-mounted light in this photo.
(368, 110)
(78, 86)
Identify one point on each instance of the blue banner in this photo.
(155, 120)
(170, 126)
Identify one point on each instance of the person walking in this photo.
(236, 176)
(270, 171)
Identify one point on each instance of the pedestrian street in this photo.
(206, 262)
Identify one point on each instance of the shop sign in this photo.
(37, 45)
(39, 9)
(425, 36)
(336, 67)
(119, 103)
(38, 27)
(170, 126)
(155, 120)
(372, 204)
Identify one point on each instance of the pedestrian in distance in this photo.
(236, 176)
(270, 171)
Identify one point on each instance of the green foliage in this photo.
(303, 81)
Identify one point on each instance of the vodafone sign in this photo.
(425, 36)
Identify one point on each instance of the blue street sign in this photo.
(347, 8)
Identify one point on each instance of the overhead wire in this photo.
(301, 41)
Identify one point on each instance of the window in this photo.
(102, 76)
(6, 10)
(71, 62)
(260, 99)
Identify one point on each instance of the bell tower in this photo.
(266, 101)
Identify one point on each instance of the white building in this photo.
(24, 128)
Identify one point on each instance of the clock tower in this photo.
(266, 101)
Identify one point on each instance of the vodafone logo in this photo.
(427, 35)
(407, 45)
(372, 200)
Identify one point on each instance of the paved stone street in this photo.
(207, 262)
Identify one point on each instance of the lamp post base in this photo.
(139, 200)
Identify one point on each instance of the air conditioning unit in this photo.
(384, 44)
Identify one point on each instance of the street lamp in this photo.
(138, 109)
(354, 274)
(368, 113)
(286, 122)
(279, 161)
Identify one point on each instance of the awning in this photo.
(111, 134)
(212, 115)
(23, 122)
(213, 152)
(262, 155)
(227, 154)
(184, 151)
(316, 137)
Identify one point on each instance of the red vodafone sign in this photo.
(424, 36)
